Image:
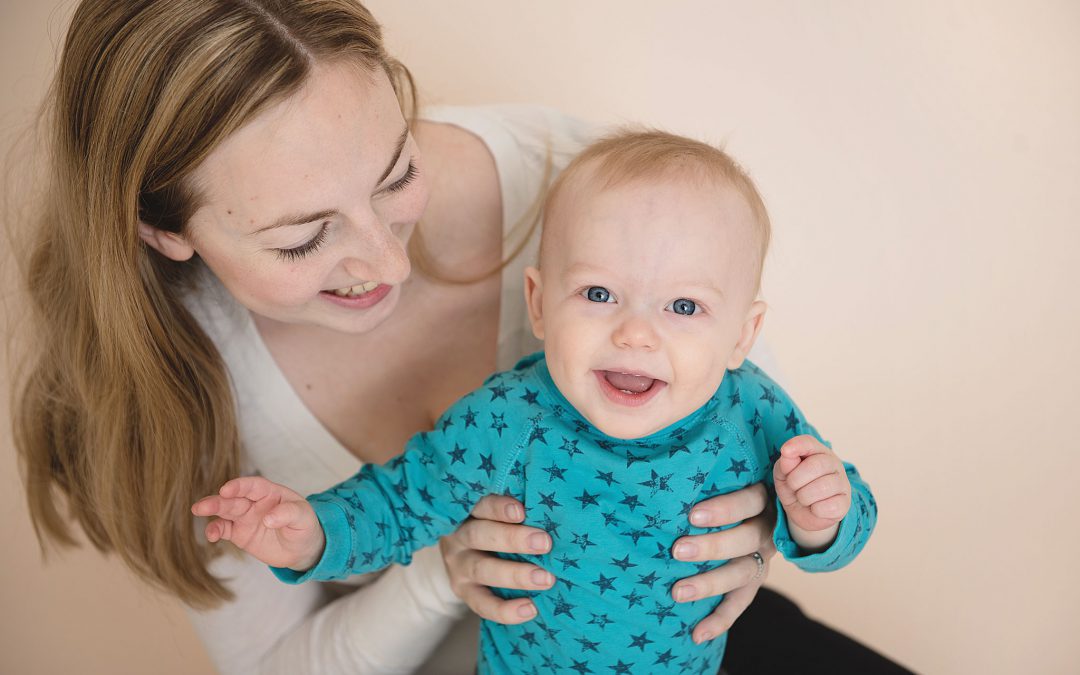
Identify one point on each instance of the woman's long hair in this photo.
(123, 410)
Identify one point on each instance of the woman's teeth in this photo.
(352, 291)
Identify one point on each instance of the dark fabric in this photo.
(773, 636)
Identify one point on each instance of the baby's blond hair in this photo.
(634, 153)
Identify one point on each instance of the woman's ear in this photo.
(172, 246)
(534, 291)
(751, 326)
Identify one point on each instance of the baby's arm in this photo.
(269, 521)
(813, 489)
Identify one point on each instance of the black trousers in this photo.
(807, 646)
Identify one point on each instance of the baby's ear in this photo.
(534, 291)
(172, 246)
(751, 326)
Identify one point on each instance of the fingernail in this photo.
(515, 512)
(686, 550)
(542, 578)
(685, 592)
(539, 541)
(526, 611)
(698, 518)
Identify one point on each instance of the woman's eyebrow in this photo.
(286, 221)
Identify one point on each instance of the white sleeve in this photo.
(389, 626)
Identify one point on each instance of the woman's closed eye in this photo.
(307, 248)
(401, 183)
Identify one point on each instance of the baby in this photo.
(641, 405)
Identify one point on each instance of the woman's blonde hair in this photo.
(124, 409)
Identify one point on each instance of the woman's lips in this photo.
(362, 301)
(620, 397)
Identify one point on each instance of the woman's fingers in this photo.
(488, 606)
(221, 507)
(743, 539)
(730, 508)
(729, 609)
(724, 579)
(490, 535)
(487, 570)
(499, 507)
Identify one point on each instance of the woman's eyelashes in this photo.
(403, 182)
(307, 248)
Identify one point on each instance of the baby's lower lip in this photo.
(362, 301)
(620, 397)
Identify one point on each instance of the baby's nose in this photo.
(636, 332)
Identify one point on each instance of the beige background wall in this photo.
(920, 160)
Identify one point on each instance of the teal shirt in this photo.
(613, 508)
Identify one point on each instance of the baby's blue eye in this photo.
(598, 294)
(684, 306)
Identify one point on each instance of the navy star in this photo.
(676, 449)
(427, 460)
(568, 562)
(657, 483)
(447, 423)
(662, 612)
(587, 499)
(477, 486)
(516, 470)
(640, 641)
(549, 663)
(580, 427)
(686, 506)
(610, 519)
(498, 391)
(604, 583)
(631, 459)
(529, 396)
(566, 582)
(549, 500)
(355, 502)
(582, 540)
(661, 552)
(621, 668)
(587, 644)
(713, 445)
(631, 501)
(738, 467)
(424, 518)
(558, 410)
(516, 651)
(555, 472)
(457, 454)
(636, 534)
(608, 477)
(426, 496)
(563, 607)
(581, 666)
(684, 630)
(537, 433)
(756, 422)
(550, 525)
(486, 464)
(633, 599)
(498, 424)
(570, 445)
(698, 479)
(769, 394)
(601, 620)
(792, 421)
(624, 564)
(655, 521)
(368, 558)
(451, 480)
(550, 632)
(648, 579)
(529, 636)
(664, 658)
(469, 417)
(605, 445)
(735, 398)
(383, 527)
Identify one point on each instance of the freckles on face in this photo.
(318, 192)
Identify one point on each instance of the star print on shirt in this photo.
(769, 394)
(498, 423)
(640, 641)
(469, 417)
(457, 455)
(498, 391)
(657, 483)
(486, 465)
(605, 583)
(555, 472)
(529, 396)
(587, 499)
(738, 467)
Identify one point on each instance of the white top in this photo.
(395, 618)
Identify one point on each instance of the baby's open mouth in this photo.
(629, 384)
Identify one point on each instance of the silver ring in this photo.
(760, 565)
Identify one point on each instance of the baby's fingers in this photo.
(218, 530)
(221, 507)
(290, 514)
(822, 489)
(833, 508)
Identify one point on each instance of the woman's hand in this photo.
(740, 578)
(472, 569)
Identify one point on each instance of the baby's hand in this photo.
(269, 521)
(813, 488)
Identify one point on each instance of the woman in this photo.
(222, 279)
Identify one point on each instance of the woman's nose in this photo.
(377, 254)
(636, 332)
